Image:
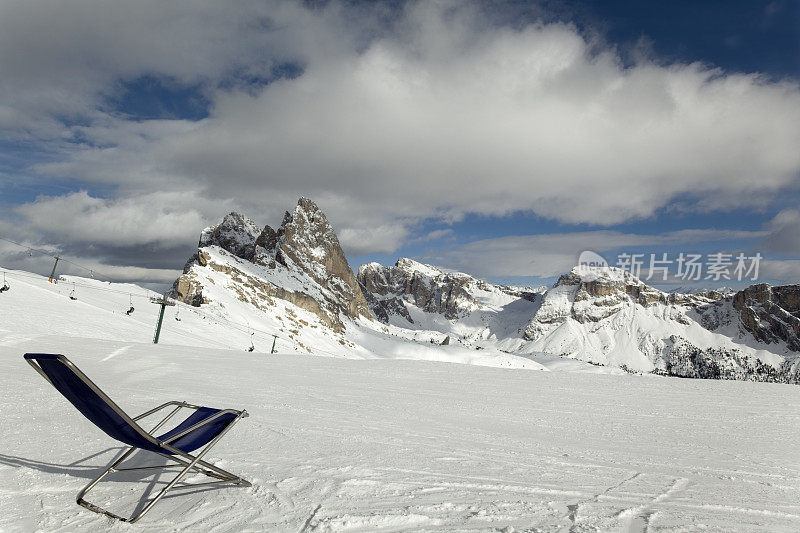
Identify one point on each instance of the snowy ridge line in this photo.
(244, 328)
(16, 273)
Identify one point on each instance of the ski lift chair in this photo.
(201, 430)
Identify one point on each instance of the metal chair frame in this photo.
(187, 460)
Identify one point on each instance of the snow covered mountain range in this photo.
(603, 316)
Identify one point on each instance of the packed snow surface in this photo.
(376, 443)
(386, 445)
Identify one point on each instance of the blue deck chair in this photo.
(201, 429)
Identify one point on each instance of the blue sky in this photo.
(499, 139)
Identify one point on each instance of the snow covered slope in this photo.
(609, 317)
(246, 284)
(387, 445)
(411, 295)
(234, 317)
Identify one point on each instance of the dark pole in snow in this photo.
(160, 320)
(163, 302)
(274, 339)
(53, 272)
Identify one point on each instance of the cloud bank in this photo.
(549, 255)
(391, 116)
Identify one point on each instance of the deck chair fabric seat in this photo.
(201, 436)
(201, 429)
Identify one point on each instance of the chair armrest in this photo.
(239, 414)
(160, 407)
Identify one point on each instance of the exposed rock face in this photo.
(597, 295)
(429, 288)
(683, 359)
(526, 293)
(384, 307)
(236, 234)
(188, 287)
(306, 243)
(771, 314)
(619, 284)
(302, 262)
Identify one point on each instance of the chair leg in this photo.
(186, 460)
(98, 479)
(211, 470)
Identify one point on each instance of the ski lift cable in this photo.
(92, 272)
(84, 285)
(32, 249)
(239, 326)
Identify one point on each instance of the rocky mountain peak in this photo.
(304, 248)
(771, 314)
(588, 295)
(235, 233)
(306, 243)
(612, 283)
(429, 288)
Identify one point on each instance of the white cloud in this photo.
(373, 239)
(787, 271)
(59, 59)
(39, 260)
(437, 115)
(549, 255)
(152, 219)
(784, 235)
(452, 117)
(437, 235)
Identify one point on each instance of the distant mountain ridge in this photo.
(429, 288)
(610, 317)
(601, 315)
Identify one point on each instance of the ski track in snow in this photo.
(116, 352)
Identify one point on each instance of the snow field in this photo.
(396, 445)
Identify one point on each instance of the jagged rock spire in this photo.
(305, 245)
(236, 234)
